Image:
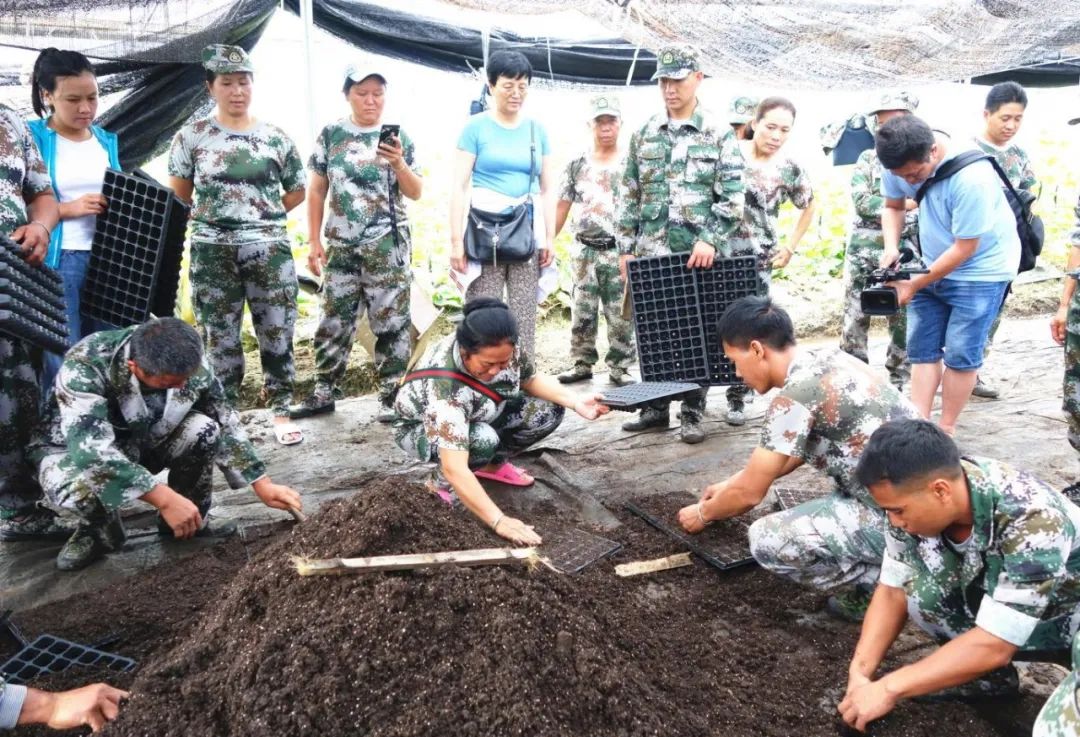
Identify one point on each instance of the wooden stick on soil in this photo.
(412, 561)
(652, 566)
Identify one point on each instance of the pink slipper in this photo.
(508, 474)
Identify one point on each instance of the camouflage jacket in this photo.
(446, 407)
(360, 184)
(239, 179)
(826, 412)
(22, 172)
(591, 186)
(868, 199)
(680, 185)
(768, 185)
(1021, 564)
(99, 417)
(1014, 160)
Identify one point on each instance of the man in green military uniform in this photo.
(681, 192)
(866, 245)
(128, 404)
(827, 406)
(589, 181)
(28, 212)
(981, 556)
(1060, 715)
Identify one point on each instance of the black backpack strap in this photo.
(950, 167)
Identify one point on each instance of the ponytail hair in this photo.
(52, 63)
(487, 323)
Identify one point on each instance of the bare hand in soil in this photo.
(590, 407)
(90, 705)
(702, 256)
(179, 513)
(690, 519)
(277, 496)
(866, 702)
(517, 532)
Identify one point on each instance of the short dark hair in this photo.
(50, 64)
(903, 450)
(486, 322)
(772, 103)
(509, 64)
(1003, 93)
(166, 346)
(756, 318)
(903, 139)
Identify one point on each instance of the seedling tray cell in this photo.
(573, 550)
(49, 654)
(723, 545)
(789, 498)
(629, 398)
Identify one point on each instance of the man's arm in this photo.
(562, 209)
(92, 706)
(1058, 322)
(738, 493)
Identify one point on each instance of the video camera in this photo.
(882, 300)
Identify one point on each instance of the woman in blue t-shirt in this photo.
(492, 173)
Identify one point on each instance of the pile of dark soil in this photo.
(507, 650)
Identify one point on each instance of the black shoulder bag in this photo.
(492, 237)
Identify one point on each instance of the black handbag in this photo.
(492, 237)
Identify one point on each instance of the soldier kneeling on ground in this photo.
(128, 404)
(828, 405)
(981, 556)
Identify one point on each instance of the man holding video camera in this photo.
(969, 242)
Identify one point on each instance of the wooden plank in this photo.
(413, 561)
(653, 566)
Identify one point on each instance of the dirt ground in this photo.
(231, 647)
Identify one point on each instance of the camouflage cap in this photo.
(894, 101)
(357, 73)
(677, 62)
(741, 110)
(225, 59)
(604, 105)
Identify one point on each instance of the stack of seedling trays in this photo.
(31, 301)
(676, 311)
(134, 270)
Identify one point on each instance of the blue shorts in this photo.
(951, 319)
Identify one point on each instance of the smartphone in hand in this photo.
(389, 131)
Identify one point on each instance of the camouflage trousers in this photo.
(523, 421)
(1071, 384)
(824, 543)
(375, 277)
(597, 281)
(93, 493)
(262, 275)
(1060, 715)
(19, 407)
(863, 254)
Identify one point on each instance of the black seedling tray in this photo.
(723, 545)
(676, 310)
(573, 550)
(31, 300)
(138, 242)
(22, 328)
(11, 254)
(788, 498)
(629, 398)
(49, 654)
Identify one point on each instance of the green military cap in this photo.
(225, 59)
(741, 110)
(894, 101)
(677, 61)
(604, 105)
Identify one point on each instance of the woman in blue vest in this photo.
(76, 153)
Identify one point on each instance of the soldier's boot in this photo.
(650, 418)
(690, 431)
(40, 524)
(90, 542)
(850, 606)
(320, 401)
(984, 389)
(1070, 492)
(620, 377)
(580, 372)
(998, 683)
(736, 412)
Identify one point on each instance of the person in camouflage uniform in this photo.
(237, 168)
(740, 114)
(983, 557)
(867, 244)
(368, 253)
(1065, 329)
(1006, 103)
(827, 407)
(1060, 715)
(129, 403)
(28, 211)
(589, 180)
(473, 399)
(682, 192)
